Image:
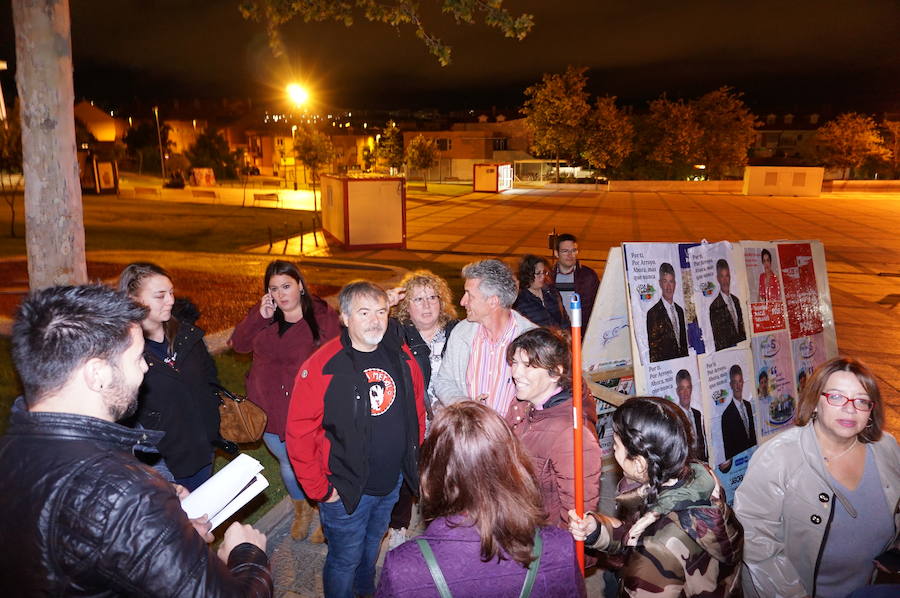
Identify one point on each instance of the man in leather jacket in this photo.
(79, 513)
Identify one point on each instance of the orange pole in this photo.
(578, 418)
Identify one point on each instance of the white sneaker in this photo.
(396, 537)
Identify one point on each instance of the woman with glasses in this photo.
(538, 300)
(424, 316)
(819, 502)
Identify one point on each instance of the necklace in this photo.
(847, 450)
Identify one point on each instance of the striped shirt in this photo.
(487, 372)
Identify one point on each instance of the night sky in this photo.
(783, 54)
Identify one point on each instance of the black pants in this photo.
(402, 513)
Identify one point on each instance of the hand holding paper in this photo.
(227, 491)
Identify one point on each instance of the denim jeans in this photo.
(278, 449)
(353, 543)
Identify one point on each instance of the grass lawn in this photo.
(113, 223)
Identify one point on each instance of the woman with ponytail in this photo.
(677, 535)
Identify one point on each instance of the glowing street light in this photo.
(298, 94)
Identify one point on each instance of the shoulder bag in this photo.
(241, 421)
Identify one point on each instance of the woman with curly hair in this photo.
(538, 300)
(424, 318)
(678, 536)
(487, 533)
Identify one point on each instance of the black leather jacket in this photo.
(81, 516)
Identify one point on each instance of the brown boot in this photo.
(303, 513)
(318, 536)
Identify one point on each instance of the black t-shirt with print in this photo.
(387, 428)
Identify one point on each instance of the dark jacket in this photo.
(662, 340)
(723, 326)
(81, 516)
(546, 435)
(457, 550)
(328, 424)
(688, 544)
(277, 359)
(418, 346)
(180, 402)
(547, 312)
(735, 438)
(586, 284)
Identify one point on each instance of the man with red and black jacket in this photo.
(355, 424)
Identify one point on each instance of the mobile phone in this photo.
(890, 560)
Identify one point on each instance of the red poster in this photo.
(800, 293)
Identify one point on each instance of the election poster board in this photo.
(669, 320)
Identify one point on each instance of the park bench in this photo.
(263, 197)
(205, 193)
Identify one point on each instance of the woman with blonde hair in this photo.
(487, 535)
(424, 317)
(820, 501)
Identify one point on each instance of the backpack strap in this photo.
(441, 584)
(434, 569)
(534, 566)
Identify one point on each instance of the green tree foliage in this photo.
(211, 151)
(726, 130)
(11, 163)
(421, 154)
(849, 140)
(390, 146)
(142, 144)
(610, 135)
(273, 13)
(314, 150)
(672, 135)
(556, 112)
(892, 142)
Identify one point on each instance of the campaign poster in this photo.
(731, 473)
(694, 334)
(809, 353)
(729, 403)
(776, 389)
(656, 294)
(764, 286)
(798, 274)
(720, 294)
(678, 380)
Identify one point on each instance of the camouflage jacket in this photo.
(688, 544)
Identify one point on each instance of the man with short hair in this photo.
(474, 365)
(571, 276)
(355, 424)
(684, 388)
(725, 315)
(80, 514)
(738, 428)
(666, 332)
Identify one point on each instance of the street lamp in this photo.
(162, 159)
(299, 96)
(2, 103)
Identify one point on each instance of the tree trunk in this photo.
(315, 210)
(557, 168)
(54, 225)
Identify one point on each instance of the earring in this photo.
(869, 425)
(815, 415)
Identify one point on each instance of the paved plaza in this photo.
(859, 232)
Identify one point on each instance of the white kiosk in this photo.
(492, 178)
(364, 211)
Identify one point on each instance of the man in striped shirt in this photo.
(474, 365)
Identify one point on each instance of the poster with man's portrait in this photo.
(727, 385)
(656, 294)
(764, 286)
(678, 380)
(720, 294)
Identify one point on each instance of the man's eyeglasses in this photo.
(427, 299)
(836, 399)
(568, 251)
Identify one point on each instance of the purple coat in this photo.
(458, 553)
